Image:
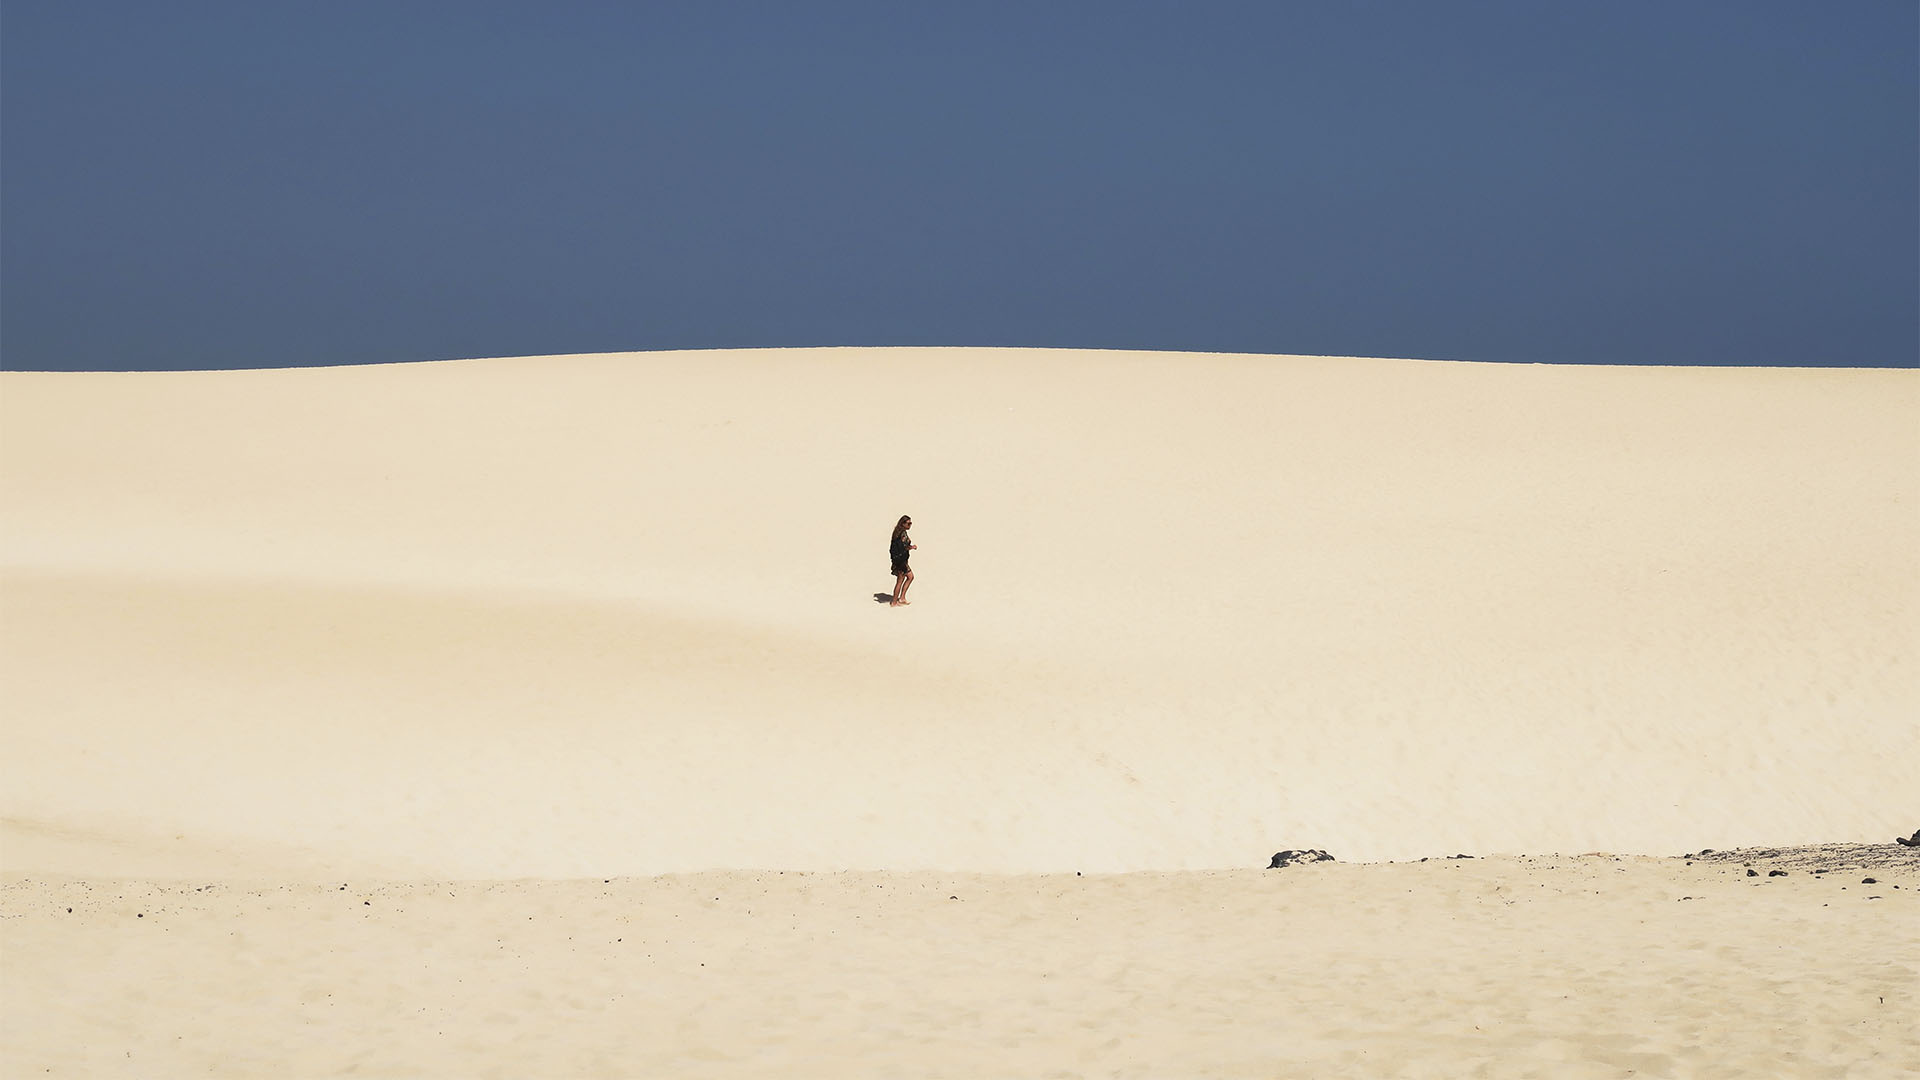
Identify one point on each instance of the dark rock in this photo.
(1305, 855)
(1753, 873)
(1776, 873)
(1706, 851)
(1459, 856)
(1869, 881)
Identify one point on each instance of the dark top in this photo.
(898, 549)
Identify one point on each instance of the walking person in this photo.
(899, 549)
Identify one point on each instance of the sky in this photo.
(191, 185)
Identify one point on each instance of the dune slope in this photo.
(603, 615)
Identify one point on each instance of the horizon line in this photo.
(5, 369)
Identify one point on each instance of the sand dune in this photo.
(535, 717)
(600, 615)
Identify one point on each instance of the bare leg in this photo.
(899, 587)
(905, 580)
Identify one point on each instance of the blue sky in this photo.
(211, 185)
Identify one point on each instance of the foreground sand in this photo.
(1505, 967)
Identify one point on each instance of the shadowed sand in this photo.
(611, 617)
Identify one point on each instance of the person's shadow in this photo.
(882, 597)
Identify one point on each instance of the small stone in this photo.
(1869, 881)
(1753, 873)
(1776, 873)
(1304, 855)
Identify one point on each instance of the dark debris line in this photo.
(1818, 858)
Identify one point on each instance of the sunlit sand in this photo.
(434, 719)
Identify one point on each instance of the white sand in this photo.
(612, 617)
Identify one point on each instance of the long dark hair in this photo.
(900, 527)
